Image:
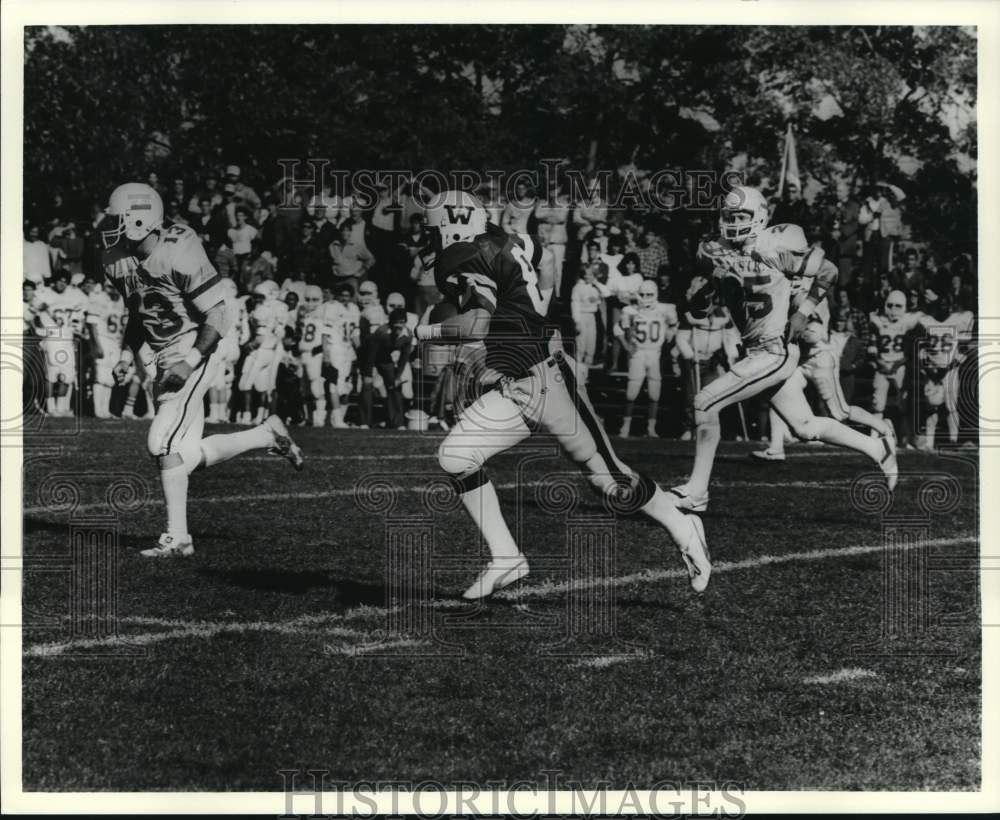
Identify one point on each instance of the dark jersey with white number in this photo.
(499, 273)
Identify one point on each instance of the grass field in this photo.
(277, 645)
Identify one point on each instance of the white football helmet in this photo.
(312, 298)
(744, 214)
(134, 209)
(648, 293)
(367, 294)
(895, 304)
(268, 289)
(458, 216)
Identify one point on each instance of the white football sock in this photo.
(833, 432)
(778, 432)
(319, 416)
(484, 507)
(175, 487)
(866, 419)
(225, 446)
(102, 399)
(707, 442)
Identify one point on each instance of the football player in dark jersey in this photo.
(493, 280)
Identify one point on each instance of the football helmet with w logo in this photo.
(458, 217)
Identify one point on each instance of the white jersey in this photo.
(164, 287)
(888, 337)
(65, 313)
(586, 299)
(946, 340)
(267, 323)
(650, 326)
(107, 318)
(343, 321)
(817, 330)
(757, 280)
(314, 330)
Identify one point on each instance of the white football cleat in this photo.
(888, 462)
(767, 455)
(499, 573)
(283, 444)
(696, 557)
(169, 546)
(683, 500)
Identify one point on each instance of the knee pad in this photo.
(705, 418)
(458, 461)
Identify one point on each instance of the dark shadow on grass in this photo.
(343, 591)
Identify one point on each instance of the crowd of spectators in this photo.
(599, 255)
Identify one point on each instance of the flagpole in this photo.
(784, 161)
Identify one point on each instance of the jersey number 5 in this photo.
(758, 304)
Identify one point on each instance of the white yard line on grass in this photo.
(842, 676)
(323, 625)
(341, 492)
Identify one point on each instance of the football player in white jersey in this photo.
(888, 334)
(821, 369)
(264, 351)
(343, 317)
(753, 267)
(106, 317)
(941, 353)
(646, 326)
(63, 312)
(237, 335)
(313, 334)
(160, 271)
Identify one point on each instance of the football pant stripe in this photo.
(615, 467)
(179, 424)
(744, 385)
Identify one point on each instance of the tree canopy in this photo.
(104, 104)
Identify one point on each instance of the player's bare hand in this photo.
(120, 372)
(796, 325)
(174, 379)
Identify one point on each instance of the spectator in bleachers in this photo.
(359, 227)
(518, 209)
(275, 233)
(791, 208)
(849, 229)
(241, 237)
(552, 215)
(848, 349)
(209, 190)
(351, 260)
(225, 262)
(652, 253)
(37, 262)
(241, 190)
(175, 214)
(591, 210)
(587, 306)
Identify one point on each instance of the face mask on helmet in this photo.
(647, 296)
(312, 298)
(743, 216)
(134, 211)
(367, 296)
(895, 305)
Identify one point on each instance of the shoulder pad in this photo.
(781, 237)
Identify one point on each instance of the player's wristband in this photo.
(193, 357)
(426, 332)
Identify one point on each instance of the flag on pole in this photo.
(789, 163)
